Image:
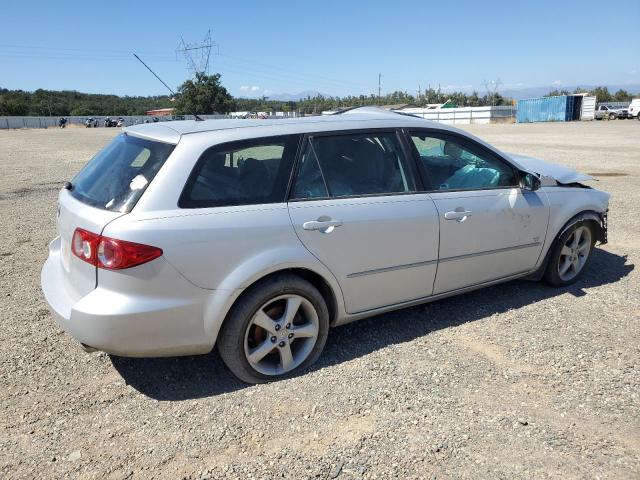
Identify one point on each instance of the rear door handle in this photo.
(326, 226)
(459, 215)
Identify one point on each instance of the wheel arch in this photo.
(599, 221)
(222, 300)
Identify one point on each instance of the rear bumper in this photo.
(133, 324)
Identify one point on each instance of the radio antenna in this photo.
(161, 81)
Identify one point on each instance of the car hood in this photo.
(558, 172)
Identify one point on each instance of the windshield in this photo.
(119, 174)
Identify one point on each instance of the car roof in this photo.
(357, 118)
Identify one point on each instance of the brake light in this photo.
(84, 245)
(111, 253)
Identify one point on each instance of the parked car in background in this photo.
(257, 236)
(611, 113)
(634, 108)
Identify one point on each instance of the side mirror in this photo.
(529, 181)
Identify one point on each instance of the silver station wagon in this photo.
(258, 235)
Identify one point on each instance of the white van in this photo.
(634, 108)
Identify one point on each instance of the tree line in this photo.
(63, 103)
(204, 94)
(602, 94)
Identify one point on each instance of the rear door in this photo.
(355, 206)
(490, 228)
(106, 188)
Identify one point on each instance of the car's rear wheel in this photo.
(278, 327)
(570, 255)
(612, 116)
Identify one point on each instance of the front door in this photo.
(354, 207)
(489, 227)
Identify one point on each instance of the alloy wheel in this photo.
(574, 253)
(281, 334)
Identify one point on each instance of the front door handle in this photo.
(458, 214)
(324, 226)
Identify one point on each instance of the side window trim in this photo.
(315, 155)
(464, 141)
(415, 181)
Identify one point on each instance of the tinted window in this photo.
(452, 165)
(347, 165)
(241, 173)
(118, 176)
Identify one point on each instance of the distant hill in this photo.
(534, 92)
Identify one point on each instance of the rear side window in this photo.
(241, 173)
(119, 174)
(352, 165)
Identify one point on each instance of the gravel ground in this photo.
(514, 381)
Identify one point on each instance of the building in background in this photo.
(160, 112)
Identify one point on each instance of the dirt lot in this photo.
(514, 381)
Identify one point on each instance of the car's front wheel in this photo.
(279, 326)
(612, 116)
(570, 255)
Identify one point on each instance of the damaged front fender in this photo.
(549, 171)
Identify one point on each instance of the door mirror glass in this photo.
(529, 181)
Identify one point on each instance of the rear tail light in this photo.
(110, 253)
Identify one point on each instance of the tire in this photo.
(612, 116)
(261, 321)
(575, 260)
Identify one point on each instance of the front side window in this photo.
(351, 165)
(451, 165)
(241, 173)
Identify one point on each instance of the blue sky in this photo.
(335, 47)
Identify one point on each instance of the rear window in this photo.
(119, 174)
(242, 173)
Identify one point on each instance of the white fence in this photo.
(50, 122)
(464, 115)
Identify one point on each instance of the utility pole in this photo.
(379, 78)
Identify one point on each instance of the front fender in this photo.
(567, 206)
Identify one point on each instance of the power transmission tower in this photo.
(196, 54)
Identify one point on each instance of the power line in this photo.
(90, 53)
(295, 72)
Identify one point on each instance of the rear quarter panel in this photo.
(223, 249)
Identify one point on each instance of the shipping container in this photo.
(562, 108)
